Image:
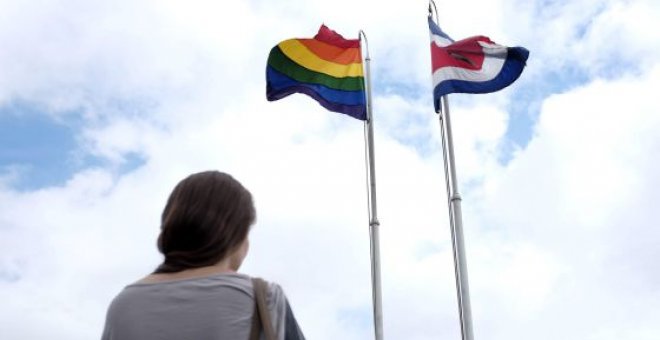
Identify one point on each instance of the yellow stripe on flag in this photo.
(301, 55)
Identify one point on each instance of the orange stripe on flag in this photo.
(332, 53)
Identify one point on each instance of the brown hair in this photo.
(207, 216)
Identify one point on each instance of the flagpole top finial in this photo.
(433, 8)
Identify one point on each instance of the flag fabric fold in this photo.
(472, 65)
(327, 68)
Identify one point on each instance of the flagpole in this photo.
(371, 197)
(456, 225)
(455, 215)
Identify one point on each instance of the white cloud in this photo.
(579, 193)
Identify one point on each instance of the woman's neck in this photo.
(218, 268)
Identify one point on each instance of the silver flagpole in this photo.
(455, 216)
(456, 225)
(371, 197)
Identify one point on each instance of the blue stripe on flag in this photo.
(435, 29)
(279, 86)
(511, 70)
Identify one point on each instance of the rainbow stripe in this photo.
(327, 68)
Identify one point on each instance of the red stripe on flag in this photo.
(333, 38)
(466, 53)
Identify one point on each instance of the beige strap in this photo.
(255, 330)
(260, 289)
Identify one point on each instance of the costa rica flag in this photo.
(472, 65)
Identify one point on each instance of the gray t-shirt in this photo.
(215, 307)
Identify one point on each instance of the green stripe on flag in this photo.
(284, 65)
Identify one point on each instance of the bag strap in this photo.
(256, 325)
(261, 316)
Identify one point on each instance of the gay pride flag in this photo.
(327, 68)
(472, 65)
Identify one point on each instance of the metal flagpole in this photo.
(371, 197)
(456, 224)
(455, 217)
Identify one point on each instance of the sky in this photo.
(105, 106)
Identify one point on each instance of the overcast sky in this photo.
(105, 106)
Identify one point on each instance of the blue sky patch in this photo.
(39, 150)
(37, 145)
(525, 105)
(356, 318)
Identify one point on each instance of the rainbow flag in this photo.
(327, 68)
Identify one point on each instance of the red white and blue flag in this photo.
(472, 65)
